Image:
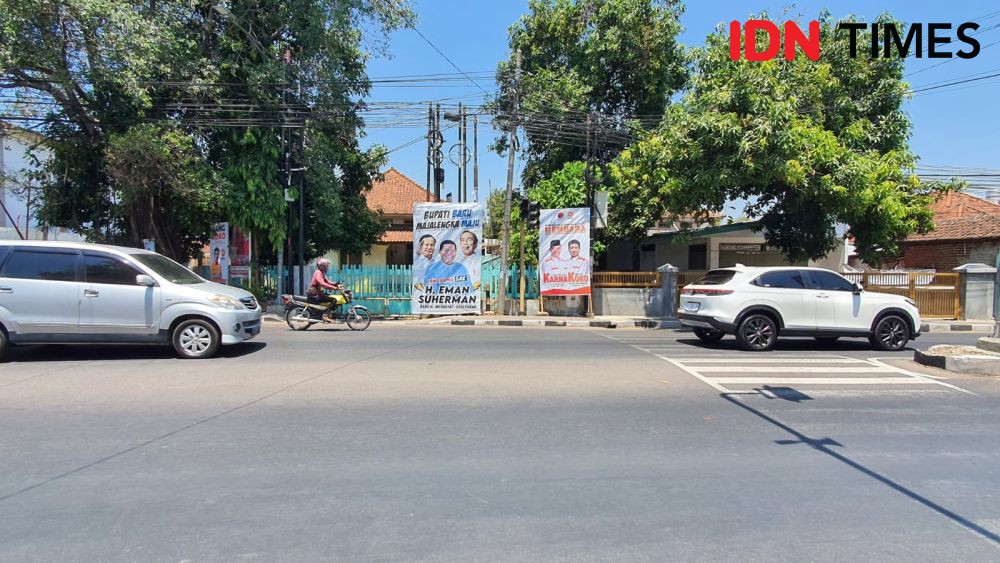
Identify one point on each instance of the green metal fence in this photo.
(386, 290)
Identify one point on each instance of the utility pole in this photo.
(475, 157)
(438, 179)
(588, 175)
(502, 296)
(430, 148)
(461, 153)
(465, 150)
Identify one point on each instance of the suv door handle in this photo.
(91, 293)
(6, 289)
(822, 296)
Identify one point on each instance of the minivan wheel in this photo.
(757, 333)
(891, 334)
(4, 345)
(709, 335)
(196, 339)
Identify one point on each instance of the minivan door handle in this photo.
(6, 289)
(822, 296)
(91, 293)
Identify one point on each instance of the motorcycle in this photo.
(302, 311)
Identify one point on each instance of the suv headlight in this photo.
(911, 302)
(226, 302)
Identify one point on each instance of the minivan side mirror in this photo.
(857, 288)
(143, 279)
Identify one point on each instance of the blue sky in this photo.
(955, 126)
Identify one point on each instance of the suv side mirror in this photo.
(857, 288)
(145, 280)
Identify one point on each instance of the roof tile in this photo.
(395, 194)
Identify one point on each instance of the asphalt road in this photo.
(484, 444)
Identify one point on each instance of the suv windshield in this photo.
(168, 269)
(716, 277)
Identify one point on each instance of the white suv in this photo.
(758, 304)
(76, 293)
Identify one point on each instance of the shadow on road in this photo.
(90, 352)
(824, 445)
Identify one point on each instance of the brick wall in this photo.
(946, 255)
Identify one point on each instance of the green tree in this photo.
(619, 58)
(807, 144)
(165, 188)
(229, 77)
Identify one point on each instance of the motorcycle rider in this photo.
(320, 283)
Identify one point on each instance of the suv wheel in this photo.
(757, 333)
(4, 345)
(195, 339)
(711, 336)
(891, 334)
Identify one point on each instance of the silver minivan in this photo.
(77, 293)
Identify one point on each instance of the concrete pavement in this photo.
(442, 443)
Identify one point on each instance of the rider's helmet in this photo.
(323, 264)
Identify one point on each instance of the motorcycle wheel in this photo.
(358, 319)
(298, 318)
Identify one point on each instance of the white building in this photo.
(19, 203)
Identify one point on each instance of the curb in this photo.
(955, 327)
(648, 323)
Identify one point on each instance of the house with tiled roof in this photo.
(393, 196)
(966, 230)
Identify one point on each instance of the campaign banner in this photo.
(218, 251)
(239, 255)
(564, 251)
(447, 258)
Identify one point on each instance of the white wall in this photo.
(14, 165)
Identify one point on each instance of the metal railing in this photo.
(628, 279)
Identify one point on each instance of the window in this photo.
(783, 279)
(350, 259)
(716, 277)
(109, 270)
(40, 265)
(167, 268)
(829, 281)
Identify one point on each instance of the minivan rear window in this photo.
(716, 277)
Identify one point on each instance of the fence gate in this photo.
(936, 294)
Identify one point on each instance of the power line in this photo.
(449, 60)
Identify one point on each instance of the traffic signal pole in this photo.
(524, 307)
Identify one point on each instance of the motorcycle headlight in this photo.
(226, 302)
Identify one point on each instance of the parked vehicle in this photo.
(759, 304)
(301, 311)
(78, 293)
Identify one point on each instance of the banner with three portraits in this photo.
(447, 258)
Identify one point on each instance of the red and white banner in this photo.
(564, 251)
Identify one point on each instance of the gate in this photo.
(936, 294)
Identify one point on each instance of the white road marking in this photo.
(796, 369)
(819, 380)
(921, 376)
(778, 361)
